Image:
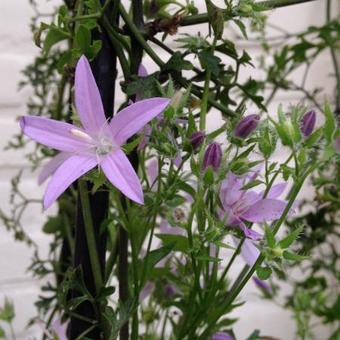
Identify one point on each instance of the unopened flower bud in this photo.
(308, 123)
(197, 138)
(170, 290)
(246, 126)
(212, 156)
(176, 99)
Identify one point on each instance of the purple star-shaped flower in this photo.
(242, 206)
(97, 142)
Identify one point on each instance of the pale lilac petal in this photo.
(178, 160)
(59, 329)
(152, 172)
(88, 101)
(146, 291)
(249, 252)
(142, 72)
(53, 133)
(265, 210)
(134, 117)
(230, 191)
(122, 175)
(250, 233)
(51, 166)
(276, 190)
(73, 168)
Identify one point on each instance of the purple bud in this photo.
(170, 290)
(308, 123)
(197, 138)
(213, 156)
(246, 126)
(222, 336)
(261, 284)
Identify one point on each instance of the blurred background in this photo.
(17, 50)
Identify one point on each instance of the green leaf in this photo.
(158, 254)
(330, 124)
(54, 35)
(177, 63)
(216, 18)
(270, 238)
(210, 62)
(263, 273)
(177, 242)
(293, 257)
(252, 184)
(2, 333)
(313, 138)
(242, 27)
(53, 225)
(288, 240)
(208, 177)
(83, 38)
(7, 313)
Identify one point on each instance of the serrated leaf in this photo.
(210, 62)
(288, 240)
(177, 63)
(293, 257)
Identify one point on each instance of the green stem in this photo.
(90, 236)
(334, 59)
(266, 5)
(204, 102)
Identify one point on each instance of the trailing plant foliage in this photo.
(209, 195)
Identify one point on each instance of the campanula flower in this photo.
(246, 126)
(262, 284)
(242, 206)
(212, 156)
(97, 142)
(308, 123)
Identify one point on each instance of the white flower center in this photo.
(102, 144)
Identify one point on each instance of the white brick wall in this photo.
(17, 50)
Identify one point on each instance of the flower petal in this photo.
(121, 174)
(51, 166)
(132, 119)
(74, 167)
(264, 210)
(249, 252)
(276, 190)
(87, 97)
(52, 133)
(230, 190)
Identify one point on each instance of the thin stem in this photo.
(266, 5)
(90, 236)
(334, 58)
